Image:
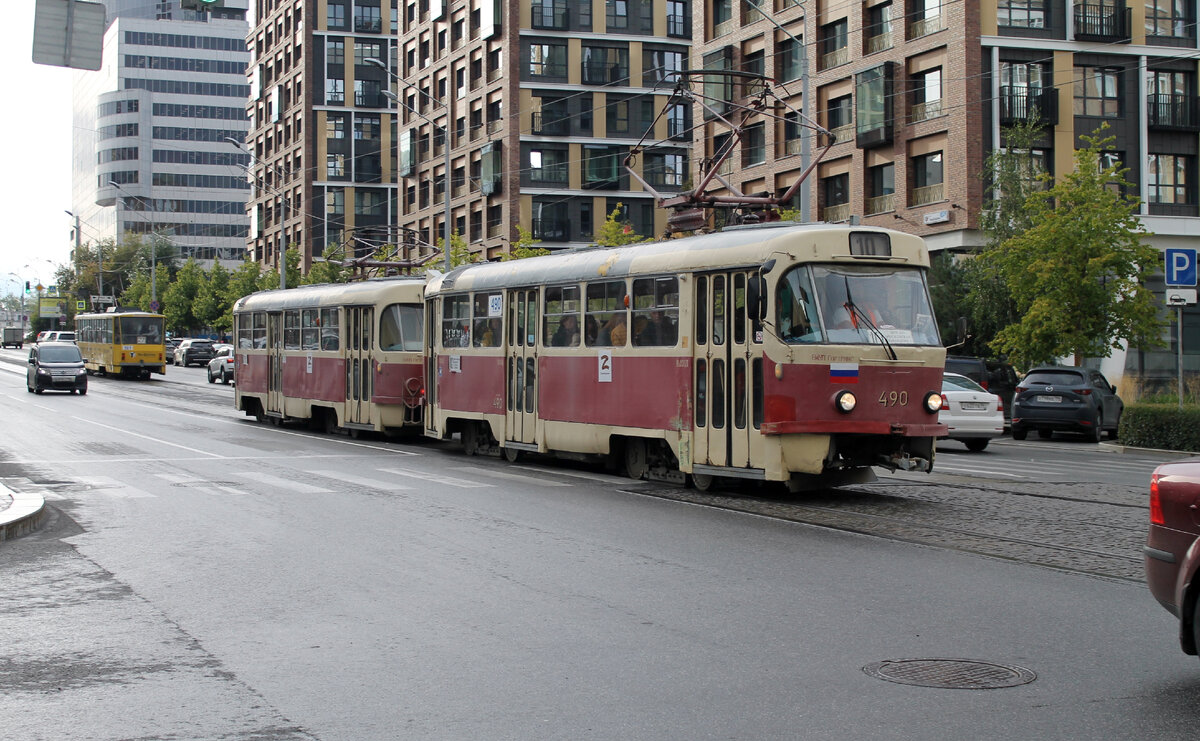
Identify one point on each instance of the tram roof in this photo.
(733, 247)
(401, 288)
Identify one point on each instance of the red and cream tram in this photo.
(337, 355)
(780, 352)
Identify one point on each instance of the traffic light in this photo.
(26, 286)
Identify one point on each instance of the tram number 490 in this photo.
(893, 398)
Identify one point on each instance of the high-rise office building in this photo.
(150, 128)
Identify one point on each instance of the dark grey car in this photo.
(194, 351)
(1067, 399)
(57, 366)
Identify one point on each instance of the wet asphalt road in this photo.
(207, 577)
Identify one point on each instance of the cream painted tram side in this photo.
(337, 356)
(781, 352)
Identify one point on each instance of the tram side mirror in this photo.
(756, 292)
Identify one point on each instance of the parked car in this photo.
(973, 415)
(57, 366)
(1172, 555)
(56, 336)
(194, 351)
(1068, 399)
(222, 365)
(995, 376)
(169, 346)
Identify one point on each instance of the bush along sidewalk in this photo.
(1161, 426)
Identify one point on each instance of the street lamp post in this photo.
(446, 228)
(153, 245)
(283, 207)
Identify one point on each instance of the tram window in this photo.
(795, 307)
(739, 309)
(606, 305)
(310, 329)
(718, 293)
(329, 330)
(701, 392)
(655, 312)
(244, 335)
(739, 393)
(702, 310)
(561, 317)
(456, 315)
(400, 328)
(530, 377)
(756, 391)
(531, 317)
(140, 330)
(718, 394)
(291, 330)
(260, 330)
(486, 314)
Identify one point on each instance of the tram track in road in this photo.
(996, 522)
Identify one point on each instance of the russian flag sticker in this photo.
(843, 372)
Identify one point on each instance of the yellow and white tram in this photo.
(128, 342)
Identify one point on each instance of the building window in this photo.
(1097, 92)
(335, 126)
(1169, 179)
(677, 120)
(618, 116)
(335, 202)
(548, 60)
(550, 14)
(616, 15)
(791, 59)
(1171, 18)
(364, 50)
(335, 165)
(754, 145)
(722, 17)
(927, 179)
(879, 28)
(367, 93)
(548, 166)
(335, 16)
(677, 23)
(335, 92)
(600, 167)
(1021, 13)
(841, 112)
(335, 52)
(661, 66)
(666, 169)
(926, 19)
(881, 183)
(367, 19)
(837, 189)
(834, 44)
(367, 127)
(927, 95)
(604, 65)
(873, 109)
(718, 89)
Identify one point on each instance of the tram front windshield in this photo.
(140, 330)
(854, 304)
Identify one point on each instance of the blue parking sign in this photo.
(1180, 266)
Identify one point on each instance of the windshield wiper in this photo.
(855, 311)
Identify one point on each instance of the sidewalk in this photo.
(20, 513)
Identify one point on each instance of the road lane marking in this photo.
(513, 476)
(114, 488)
(130, 433)
(350, 478)
(435, 478)
(282, 483)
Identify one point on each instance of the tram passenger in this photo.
(567, 334)
(658, 330)
(591, 330)
(612, 333)
(490, 335)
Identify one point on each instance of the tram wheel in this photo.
(512, 455)
(635, 458)
(703, 481)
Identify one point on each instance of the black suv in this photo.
(57, 366)
(194, 351)
(1068, 399)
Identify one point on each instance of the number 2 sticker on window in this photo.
(604, 367)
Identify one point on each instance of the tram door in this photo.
(359, 365)
(275, 362)
(521, 365)
(433, 324)
(728, 374)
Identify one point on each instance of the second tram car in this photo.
(128, 342)
(780, 352)
(342, 356)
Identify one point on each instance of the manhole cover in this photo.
(954, 674)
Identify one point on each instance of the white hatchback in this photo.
(973, 415)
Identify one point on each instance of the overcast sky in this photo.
(36, 133)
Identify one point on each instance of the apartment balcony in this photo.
(836, 58)
(549, 124)
(880, 204)
(928, 194)
(494, 74)
(547, 176)
(494, 127)
(792, 146)
(723, 28)
(1173, 112)
(926, 26)
(552, 230)
(834, 214)
(925, 111)
(1021, 103)
(879, 43)
(1102, 22)
(495, 230)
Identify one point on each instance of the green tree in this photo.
(270, 279)
(524, 246)
(138, 293)
(179, 302)
(617, 231)
(324, 271)
(212, 304)
(1077, 274)
(244, 281)
(460, 251)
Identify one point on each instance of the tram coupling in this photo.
(902, 461)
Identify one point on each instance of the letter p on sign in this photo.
(1180, 267)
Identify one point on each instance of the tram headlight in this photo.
(933, 402)
(845, 402)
